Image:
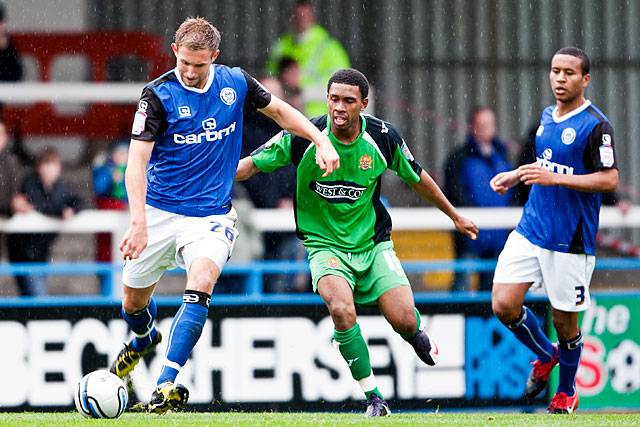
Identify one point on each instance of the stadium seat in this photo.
(99, 49)
(416, 245)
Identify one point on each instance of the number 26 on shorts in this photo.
(229, 233)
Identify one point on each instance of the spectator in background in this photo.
(10, 63)
(289, 76)
(108, 185)
(318, 54)
(468, 171)
(10, 172)
(274, 190)
(527, 155)
(44, 192)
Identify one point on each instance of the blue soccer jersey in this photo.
(198, 137)
(578, 143)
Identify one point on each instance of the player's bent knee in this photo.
(342, 313)
(504, 309)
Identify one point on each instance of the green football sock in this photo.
(413, 334)
(354, 350)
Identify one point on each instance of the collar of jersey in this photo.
(570, 114)
(195, 89)
(337, 141)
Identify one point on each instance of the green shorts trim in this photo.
(369, 274)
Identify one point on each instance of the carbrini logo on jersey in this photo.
(338, 191)
(210, 133)
(546, 163)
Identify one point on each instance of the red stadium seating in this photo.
(99, 48)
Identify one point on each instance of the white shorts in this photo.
(564, 277)
(178, 240)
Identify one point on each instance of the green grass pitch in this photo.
(49, 419)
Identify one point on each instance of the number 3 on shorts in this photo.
(579, 295)
(228, 232)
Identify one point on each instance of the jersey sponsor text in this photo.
(338, 191)
(209, 135)
(555, 167)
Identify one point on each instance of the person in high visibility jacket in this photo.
(318, 54)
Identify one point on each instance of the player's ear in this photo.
(365, 102)
(585, 80)
(174, 48)
(215, 55)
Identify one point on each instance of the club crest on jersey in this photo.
(568, 136)
(184, 111)
(365, 162)
(547, 154)
(228, 95)
(333, 262)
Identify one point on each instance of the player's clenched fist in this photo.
(502, 182)
(134, 242)
(535, 174)
(326, 157)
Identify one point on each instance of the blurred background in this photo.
(449, 74)
(431, 64)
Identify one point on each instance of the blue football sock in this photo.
(185, 331)
(142, 324)
(528, 331)
(569, 356)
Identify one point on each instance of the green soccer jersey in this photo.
(343, 210)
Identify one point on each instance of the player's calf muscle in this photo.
(404, 322)
(566, 324)
(135, 299)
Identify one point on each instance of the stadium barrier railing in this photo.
(254, 273)
(263, 220)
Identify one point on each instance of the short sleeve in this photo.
(257, 95)
(149, 121)
(599, 152)
(403, 162)
(274, 154)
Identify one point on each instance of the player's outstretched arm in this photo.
(246, 169)
(502, 182)
(603, 181)
(292, 120)
(135, 239)
(429, 190)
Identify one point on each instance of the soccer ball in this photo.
(101, 394)
(624, 367)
